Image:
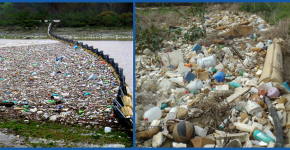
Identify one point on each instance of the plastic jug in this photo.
(195, 85)
(220, 76)
(207, 62)
(154, 113)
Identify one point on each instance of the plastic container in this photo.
(269, 133)
(207, 62)
(196, 47)
(195, 85)
(254, 90)
(273, 92)
(252, 107)
(178, 80)
(220, 76)
(172, 113)
(244, 127)
(235, 85)
(252, 36)
(154, 113)
(200, 131)
(222, 125)
(163, 106)
(260, 45)
(286, 85)
(108, 129)
(265, 87)
(92, 77)
(241, 73)
(262, 137)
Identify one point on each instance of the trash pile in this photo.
(56, 82)
(223, 90)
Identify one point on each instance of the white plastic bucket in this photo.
(207, 62)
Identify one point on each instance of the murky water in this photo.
(122, 52)
(10, 140)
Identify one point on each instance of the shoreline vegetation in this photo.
(80, 21)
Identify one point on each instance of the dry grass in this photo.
(280, 29)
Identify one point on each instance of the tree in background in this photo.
(28, 15)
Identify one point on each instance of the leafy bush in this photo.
(149, 38)
(193, 33)
(126, 19)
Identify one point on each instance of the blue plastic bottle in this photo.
(220, 76)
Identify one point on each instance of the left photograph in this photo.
(66, 74)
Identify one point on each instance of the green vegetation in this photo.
(149, 38)
(271, 12)
(68, 133)
(31, 15)
(149, 32)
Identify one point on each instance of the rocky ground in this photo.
(216, 86)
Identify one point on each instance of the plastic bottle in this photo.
(163, 106)
(172, 113)
(154, 113)
(222, 125)
(235, 85)
(269, 133)
(200, 131)
(263, 137)
(241, 73)
(220, 76)
(286, 85)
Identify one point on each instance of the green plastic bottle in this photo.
(222, 125)
(163, 106)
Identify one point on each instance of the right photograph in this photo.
(212, 75)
